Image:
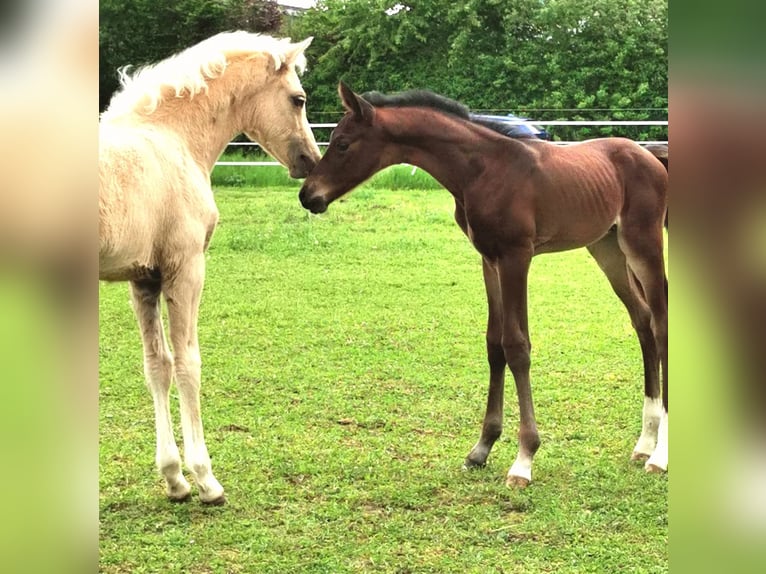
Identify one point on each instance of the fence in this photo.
(536, 123)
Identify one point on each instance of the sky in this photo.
(298, 3)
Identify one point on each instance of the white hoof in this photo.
(180, 490)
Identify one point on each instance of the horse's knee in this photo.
(158, 369)
(188, 367)
(495, 353)
(517, 352)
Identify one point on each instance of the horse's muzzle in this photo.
(302, 166)
(302, 160)
(311, 201)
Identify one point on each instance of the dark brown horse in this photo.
(514, 199)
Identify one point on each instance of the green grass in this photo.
(394, 177)
(344, 381)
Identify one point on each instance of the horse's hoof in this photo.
(211, 492)
(219, 501)
(513, 481)
(654, 469)
(639, 456)
(181, 492)
(179, 498)
(472, 464)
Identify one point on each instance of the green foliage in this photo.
(344, 380)
(137, 32)
(496, 55)
(255, 15)
(565, 59)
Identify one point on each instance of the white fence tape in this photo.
(537, 123)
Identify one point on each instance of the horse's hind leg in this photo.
(182, 293)
(493, 419)
(642, 246)
(158, 368)
(613, 263)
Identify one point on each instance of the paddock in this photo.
(344, 375)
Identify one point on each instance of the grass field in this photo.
(397, 177)
(344, 381)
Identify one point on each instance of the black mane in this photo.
(428, 99)
(418, 99)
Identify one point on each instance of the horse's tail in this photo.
(660, 151)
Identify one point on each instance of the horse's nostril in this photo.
(307, 162)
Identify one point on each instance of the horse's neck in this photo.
(445, 147)
(206, 131)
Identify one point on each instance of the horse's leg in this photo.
(513, 269)
(643, 249)
(493, 419)
(613, 263)
(182, 293)
(158, 368)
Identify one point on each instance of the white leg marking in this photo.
(658, 462)
(195, 450)
(651, 422)
(168, 458)
(521, 469)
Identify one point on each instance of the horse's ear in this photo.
(294, 55)
(300, 47)
(356, 104)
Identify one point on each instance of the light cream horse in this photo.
(159, 139)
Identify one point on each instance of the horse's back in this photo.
(150, 192)
(630, 164)
(644, 177)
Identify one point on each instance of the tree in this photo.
(255, 16)
(609, 55)
(137, 32)
(494, 54)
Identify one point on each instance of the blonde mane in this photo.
(188, 72)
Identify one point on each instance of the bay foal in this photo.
(514, 199)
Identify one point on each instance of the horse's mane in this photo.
(428, 99)
(418, 99)
(187, 72)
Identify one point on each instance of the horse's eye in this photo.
(299, 101)
(342, 146)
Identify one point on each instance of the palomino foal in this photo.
(159, 140)
(514, 199)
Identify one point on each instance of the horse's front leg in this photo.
(182, 294)
(493, 418)
(512, 270)
(158, 369)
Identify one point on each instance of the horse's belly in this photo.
(133, 271)
(125, 261)
(572, 219)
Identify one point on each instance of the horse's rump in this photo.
(660, 151)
